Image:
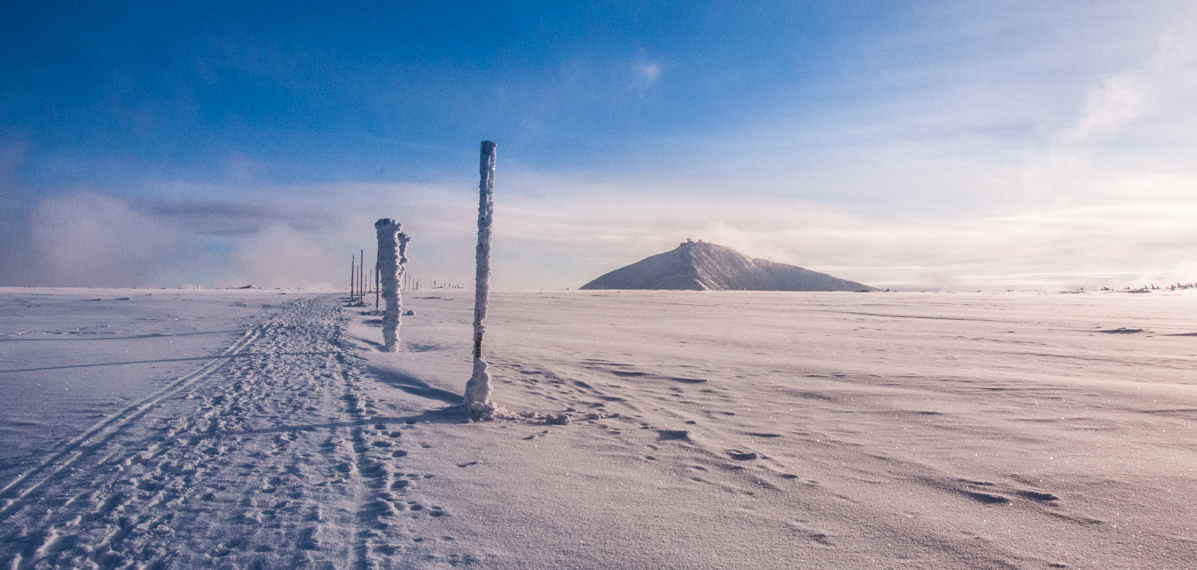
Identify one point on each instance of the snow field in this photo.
(707, 430)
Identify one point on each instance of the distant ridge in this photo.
(698, 266)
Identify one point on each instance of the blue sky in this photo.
(930, 145)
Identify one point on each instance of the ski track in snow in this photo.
(269, 456)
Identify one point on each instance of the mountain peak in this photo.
(704, 266)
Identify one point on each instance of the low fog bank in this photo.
(93, 239)
(90, 239)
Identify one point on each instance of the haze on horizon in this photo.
(943, 145)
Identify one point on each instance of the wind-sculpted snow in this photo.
(821, 430)
(642, 430)
(699, 266)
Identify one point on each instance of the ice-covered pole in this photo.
(477, 392)
(403, 239)
(392, 251)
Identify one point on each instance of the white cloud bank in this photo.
(1050, 247)
(89, 239)
(558, 233)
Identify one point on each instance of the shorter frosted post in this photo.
(477, 392)
(403, 239)
(392, 249)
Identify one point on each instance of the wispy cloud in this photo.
(648, 71)
(645, 72)
(1108, 108)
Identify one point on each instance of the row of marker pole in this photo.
(357, 282)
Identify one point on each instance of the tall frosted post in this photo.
(477, 392)
(392, 257)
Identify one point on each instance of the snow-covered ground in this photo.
(707, 430)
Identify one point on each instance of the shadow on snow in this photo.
(414, 386)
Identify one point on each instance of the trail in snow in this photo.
(269, 455)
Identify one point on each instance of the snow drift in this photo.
(698, 266)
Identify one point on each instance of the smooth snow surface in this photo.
(707, 430)
(699, 266)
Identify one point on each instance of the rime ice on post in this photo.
(477, 392)
(392, 258)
